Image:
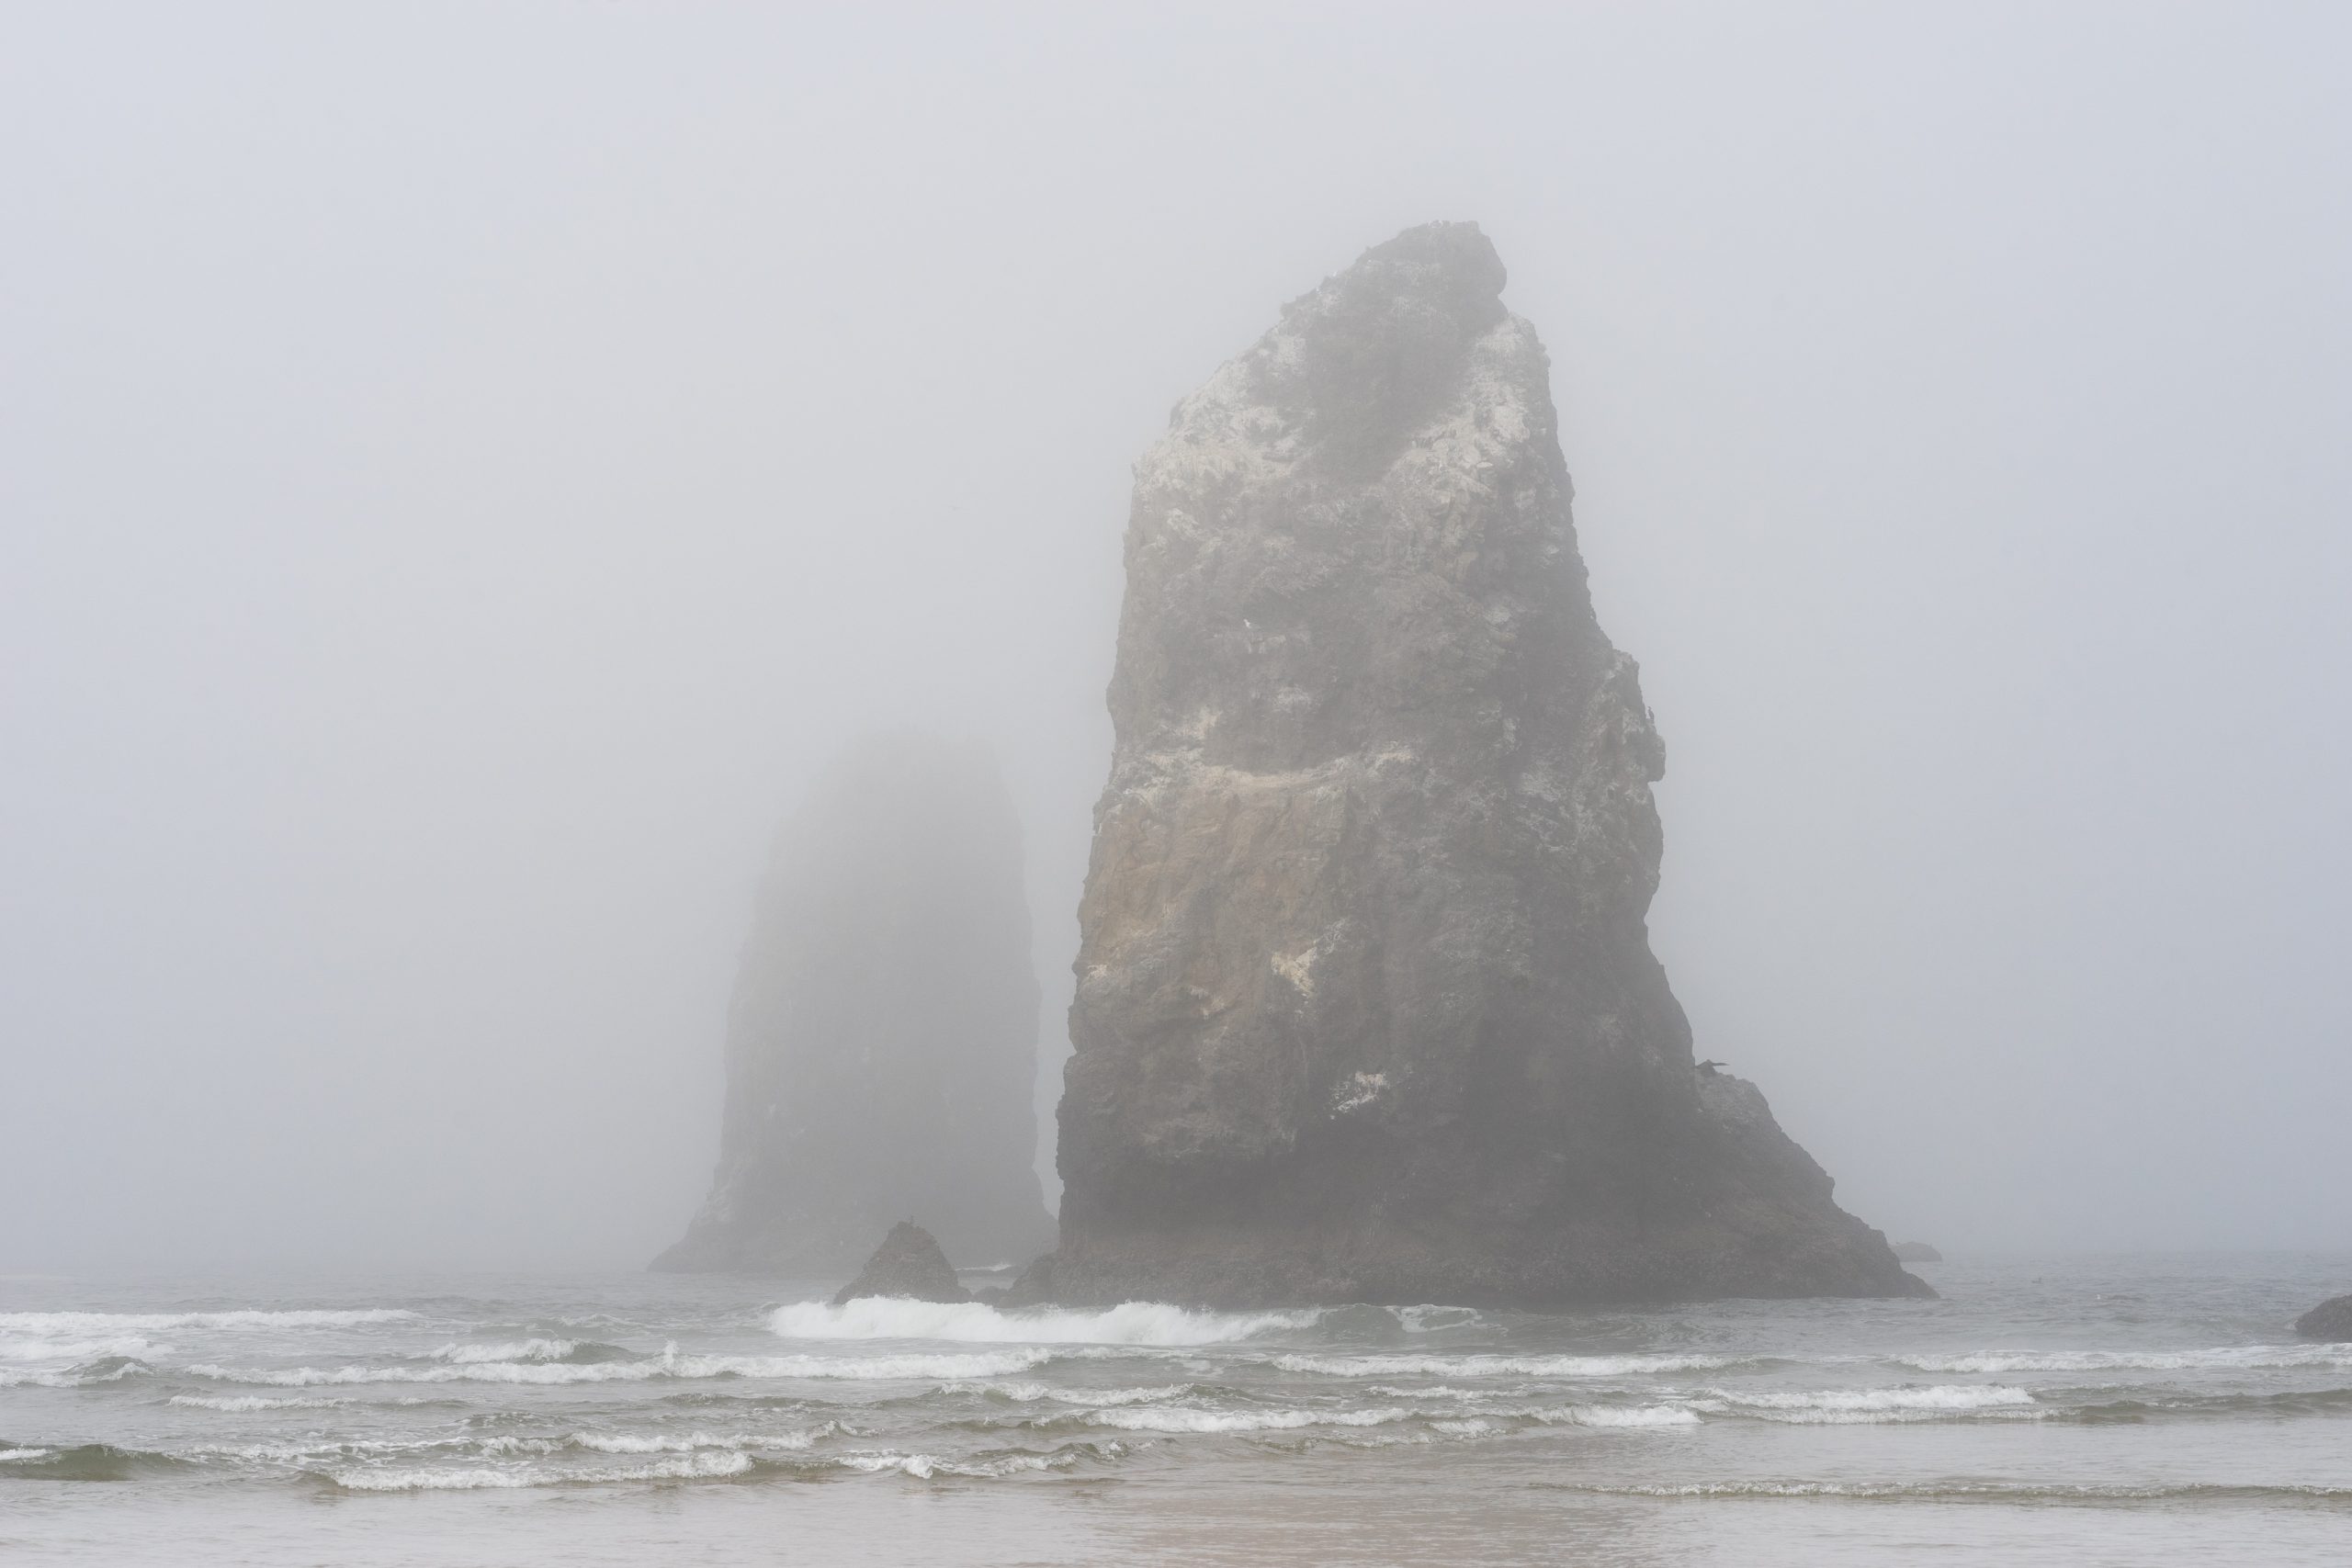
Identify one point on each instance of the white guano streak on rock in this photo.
(1298, 968)
(1358, 1091)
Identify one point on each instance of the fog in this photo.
(464, 472)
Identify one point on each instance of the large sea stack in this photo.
(1366, 1009)
(881, 1050)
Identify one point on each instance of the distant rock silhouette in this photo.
(908, 1263)
(1916, 1252)
(881, 1051)
(1366, 1008)
(2332, 1319)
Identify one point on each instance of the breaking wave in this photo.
(713, 1464)
(107, 1368)
(1435, 1319)
(2237, 1358)
(246, 1403)
(1476, 1366)
(700, 1466)
(1854, 1406)
(1153, 1324)
(690, 1442)
(576, 1352)
(1028, 1392)
(1185, 1419)
(85, 1461)
(41, 1348)
(1617, 1416)
(669, 1364)
(982, 1466)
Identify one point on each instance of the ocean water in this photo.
(2114, 1410)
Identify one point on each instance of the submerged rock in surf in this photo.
(2332, 1319)
(1366, 1009)
(1916, 1252)
(881, 1047)
(908, 1263)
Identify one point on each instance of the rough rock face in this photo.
(2332, 1319)
(1366, 1009)
(881, 1046)
(908, 1263)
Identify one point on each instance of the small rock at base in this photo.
(909, 1264)
(2332, 1319)
(1916, 1252)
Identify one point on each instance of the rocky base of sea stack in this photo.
(1772, 1233)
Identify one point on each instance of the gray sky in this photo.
(463, 470)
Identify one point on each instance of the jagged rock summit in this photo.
(881, 1050)
(1366, 1009)
(908, 1263)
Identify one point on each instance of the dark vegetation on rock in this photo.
(1366, 1009)
(881, 1051)
(908, 1263)
(2332, 1319)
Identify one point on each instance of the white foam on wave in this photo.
(1030, 1392)
(1022, 1392)
(513, 1350)
(47, 1347)
(1013, 1464)
(1846, 1406)
(245, 1403)
(316, 1447)
(102, 1323)
(922, 1467)
(1940, 1396)
(2230, 1357)
(1478, 1366)
(435, 1479)
(669, 1364)
(72, 1378)
(1155, 1324)
(1182, 1419)
(289, 1452)
(1191, 1418)
(1433, 1319)
(1497, 1420)
(1616, 1415)
(694, 1442)
(708, 1464)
